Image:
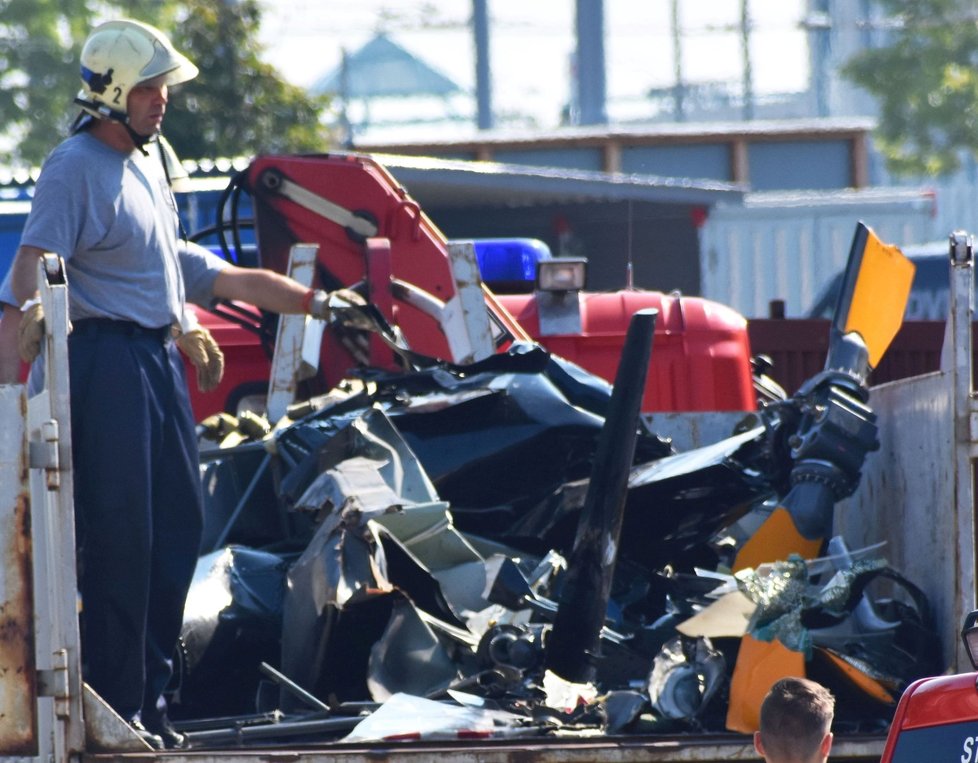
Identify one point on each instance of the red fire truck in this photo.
(372, 236)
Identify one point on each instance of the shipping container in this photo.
(786, 246)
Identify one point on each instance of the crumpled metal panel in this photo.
(18, 689)
(345, 567)
(232, 623)
(352, 485)
(408, 657)
(497, 438)
(240, 504)
(415, 489)
(360, 468)
(366, 473)
(674, 505)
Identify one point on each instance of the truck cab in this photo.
(701, 360)
(937, 717)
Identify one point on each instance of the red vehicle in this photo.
(371, 235)
(700, 356)
(937, 718)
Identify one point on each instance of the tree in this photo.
(39, 45)
(237, 106)
(926, 82)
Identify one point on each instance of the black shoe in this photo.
(171, 738)
(153, 740)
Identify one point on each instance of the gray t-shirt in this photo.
(6, 292)
(199, 266)
(112, 217)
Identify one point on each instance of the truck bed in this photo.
(706, 748)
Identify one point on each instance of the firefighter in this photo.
(796, 718)
(103, 203)
(9, 324)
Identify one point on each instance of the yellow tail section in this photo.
(879, 294)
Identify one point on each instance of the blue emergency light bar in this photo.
(510, 264)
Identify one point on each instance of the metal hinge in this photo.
(44, 454)
(54, 683)
(973, 426)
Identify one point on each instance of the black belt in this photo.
(126, 328)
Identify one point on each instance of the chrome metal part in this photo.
(467, 324)
(291, 345)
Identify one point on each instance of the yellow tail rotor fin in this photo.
(875, 294)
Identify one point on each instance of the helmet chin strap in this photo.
(139, 140)
(102, 111)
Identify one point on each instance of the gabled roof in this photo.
(382, 68)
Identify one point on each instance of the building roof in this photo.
(383, 69)
(457, 183)
(664, 133)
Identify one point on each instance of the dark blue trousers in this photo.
(138, 507)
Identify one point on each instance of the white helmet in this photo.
(120, 54)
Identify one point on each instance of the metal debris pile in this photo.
(395, 561)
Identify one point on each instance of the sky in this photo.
(531, 42)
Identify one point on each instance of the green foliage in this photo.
(39, 45)
(238, 106)
(926, 81)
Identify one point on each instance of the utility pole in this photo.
(745, 31)
(679, 89)
(483, 78)
(345, 125)
(818, 24)
(590, 82)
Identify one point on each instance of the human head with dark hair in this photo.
(796, 718)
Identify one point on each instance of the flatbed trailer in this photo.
(703, 748)
(922, 476)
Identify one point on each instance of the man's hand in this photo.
(198, 345)
(320, 304)
(31, 332)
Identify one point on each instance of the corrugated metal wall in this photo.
(787, 246)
